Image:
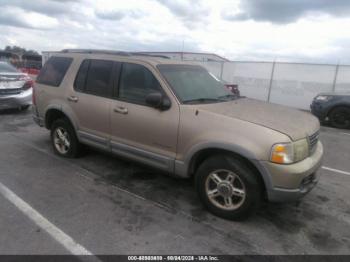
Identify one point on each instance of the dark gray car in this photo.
(333, 108)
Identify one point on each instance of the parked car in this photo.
(15, 88)
(175, 116)
(233, 88)
(333, 108)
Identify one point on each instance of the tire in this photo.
(72, 148)
(244, 203)
(24, 108)
(339, 117)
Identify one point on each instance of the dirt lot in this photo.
(101, 204)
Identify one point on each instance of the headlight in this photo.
(287, 153)
(323, 98)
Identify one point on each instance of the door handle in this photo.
(72, 99)
(121, 110)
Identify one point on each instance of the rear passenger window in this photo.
(136, 83)
(54, 70)
(79, 83)
(98, 80)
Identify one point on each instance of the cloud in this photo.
(118, 14)
(286, 11)
(163, 25)
(17, 17)
(46, 7)
(191, 12)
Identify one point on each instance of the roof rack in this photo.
(111, 52)
(150, 55)
(96, 51)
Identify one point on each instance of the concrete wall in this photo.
(290, 84)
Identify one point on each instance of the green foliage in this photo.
(20, 50)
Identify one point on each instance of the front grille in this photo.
(12, 91)
(313, 139)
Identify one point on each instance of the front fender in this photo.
(182, 168)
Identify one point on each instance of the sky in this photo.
(314, 31)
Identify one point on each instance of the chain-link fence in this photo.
(291, 84)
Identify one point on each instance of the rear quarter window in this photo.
(54, 71)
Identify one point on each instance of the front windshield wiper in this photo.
(202, 100)
(229, 96)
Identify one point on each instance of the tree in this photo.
(20, 50)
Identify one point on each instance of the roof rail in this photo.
(111, 52)
(96, 51)
(150, 55)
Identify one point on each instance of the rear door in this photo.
(49, 87)
(139, 131)
(90, 100)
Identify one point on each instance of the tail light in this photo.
(28, 84)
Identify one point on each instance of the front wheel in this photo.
(228, 187)
(340, 117)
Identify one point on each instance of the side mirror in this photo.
(157, 100)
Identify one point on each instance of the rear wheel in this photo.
(340, 117)
(24, 108)
(228, 187)
(64, 140)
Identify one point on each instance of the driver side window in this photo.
(136, 83)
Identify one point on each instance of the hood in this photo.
(292, 122)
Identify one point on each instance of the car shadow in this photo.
(178, 195)
(10, 111)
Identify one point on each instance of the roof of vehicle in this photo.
(335, 93)
(131, 56)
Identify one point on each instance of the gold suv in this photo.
(179, 118)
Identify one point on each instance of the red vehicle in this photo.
(30, 64)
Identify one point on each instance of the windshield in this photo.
(194, 84)
(6, 68)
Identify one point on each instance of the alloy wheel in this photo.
(225, 189)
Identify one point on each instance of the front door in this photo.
(139, 131)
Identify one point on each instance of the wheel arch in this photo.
(250, 160)
(329, 111)
(54, 113)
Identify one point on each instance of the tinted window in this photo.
(79, 83)
(99, 78)
(136, 83)
(54, 70)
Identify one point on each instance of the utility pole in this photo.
(183, 48)
(335, 77)
(271, 80)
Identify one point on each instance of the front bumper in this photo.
(292, 182)
(14, 101)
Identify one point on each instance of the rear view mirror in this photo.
(157, 100)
